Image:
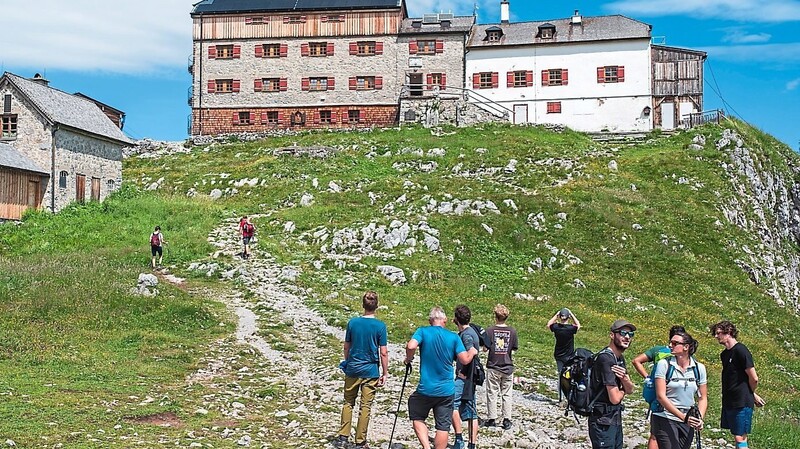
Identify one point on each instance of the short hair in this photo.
(501, 312)
(725, 326)
(688, 339)
(463, 314)
(437, 313)
(676, 329)
(370, 301)
(158, 228)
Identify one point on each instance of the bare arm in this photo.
(411, 348)
(552, 321)
(346, 350)
(752, 378)
(466, 357)
(577, 323)
(661, 396)
(638, 364)
(384, 366)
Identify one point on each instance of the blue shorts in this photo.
(466, 409)
(738, 420)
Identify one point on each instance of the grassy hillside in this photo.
(647, 240)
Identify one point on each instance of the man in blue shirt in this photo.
(364, 349)
(438, 349)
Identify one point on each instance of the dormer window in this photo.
(493, 34)
(546, 31)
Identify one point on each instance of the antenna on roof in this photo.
(475, 9)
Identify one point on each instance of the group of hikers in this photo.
(677, 381)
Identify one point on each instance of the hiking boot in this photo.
(340, 441)
(458, 444)
(489, 423)
(506, 424)
(363, 445)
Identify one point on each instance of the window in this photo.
(494, 35)
(111, 184)
(335, 19)
(366, 48)
(547, 31)
(318, 83)
(484, 80)
(426, 47)
(7, 104)
(255, 20)
(521, 78)
(325, 117)
(611, 74)
(224, 51)
(270, 51)
(241, 118)
(9, 126)
(272, 117)
(436, 79)
(269, 85)
(224, 86)
(353, 116)
(365, 82)
(554, 107)
(555, 77)
(294, 19)
(318, 49)
(62, 180)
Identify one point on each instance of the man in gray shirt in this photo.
(464, 397)
(500, 367)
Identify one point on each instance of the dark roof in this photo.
(599, 28)
(99, 103)
(240, 6)
(458, 24)
(67, 109)
(10, 157)
(689, 51)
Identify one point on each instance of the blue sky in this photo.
(133, 55)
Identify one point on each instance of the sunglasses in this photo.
(676, 343)
(625, 333)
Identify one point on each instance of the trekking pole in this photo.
(399, 402)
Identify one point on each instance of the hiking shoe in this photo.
(458, 444)
(340, 441)
(506, 424)
(489, 423)
(363, 445)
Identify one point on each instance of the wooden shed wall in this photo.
(19, 190)
(273, 26)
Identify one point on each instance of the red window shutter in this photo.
(303, 49)
(429, 81)
(331, 83)
(412, 47)
(620, 74)
(330, 48)
(378, 48)
(495, 79)
(237, 51)
(248, 20)
(564, 77)
(601, 74)
(284, 50)
(476, 80)
(258, 85)
(352, 83)
(353, 48)
(545, 77)
(212, 86)
(444, 81)
(237, 85)
(212, 51)
(285, 19)
(529, 78)
(263, 118)
(439, 46)
(334, 116)
(304, 84)
(378, 82)
(259, 51)
(315, 114)
(280, 117)
(324, 19)
(509, 79)
(235, 118)
(283, 84)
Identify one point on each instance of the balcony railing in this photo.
(189, 124)
(191, 64)
(700, 118)
(190, 95)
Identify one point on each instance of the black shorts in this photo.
(419, 406)
(156, 249)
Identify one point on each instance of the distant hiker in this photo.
(610, 376)
(654, 354)
(157, 243)
(364, 349)
(248, 229)
(564, 332)
(438, 349)
(500, 367)
(678, 379)
(739, 383)
(464, 397)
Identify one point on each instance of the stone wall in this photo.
(88, 156)
(33, 133)
(435, 111)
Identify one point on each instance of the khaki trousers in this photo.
(352, 386)
(499, 388)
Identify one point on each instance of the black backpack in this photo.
(483, 337)
(576, 382)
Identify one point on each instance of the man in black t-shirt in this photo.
(739, 383)
(609, 374)
(564, 332)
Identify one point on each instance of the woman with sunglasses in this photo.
(678, 380)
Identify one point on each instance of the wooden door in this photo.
(33, 194)
(95, 189)
(415, 84)
(80, 188)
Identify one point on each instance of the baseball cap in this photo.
(619, 324)
(564, 313)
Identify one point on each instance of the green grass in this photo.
(679, 268)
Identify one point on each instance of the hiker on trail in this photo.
(157, 243)
(654, 355)
(500, 367)
(739, 383)
(364, 349)
(678, 379)
(438, 349)
(248, 229)
(464, 396)
(564, 332)
(609, 374)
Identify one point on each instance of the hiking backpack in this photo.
(649, 389)
(155, 239)
(576, 382)
(248, 229)
(483, 337)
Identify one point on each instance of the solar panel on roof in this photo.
(430, 18)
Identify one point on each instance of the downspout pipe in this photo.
(53, 168)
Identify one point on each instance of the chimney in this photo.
(504, 11)
(576, 18)
(39, 79)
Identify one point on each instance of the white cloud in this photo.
(793, 84)
(744, 10)
(787, 54)
(738, 35)
(144, 36)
